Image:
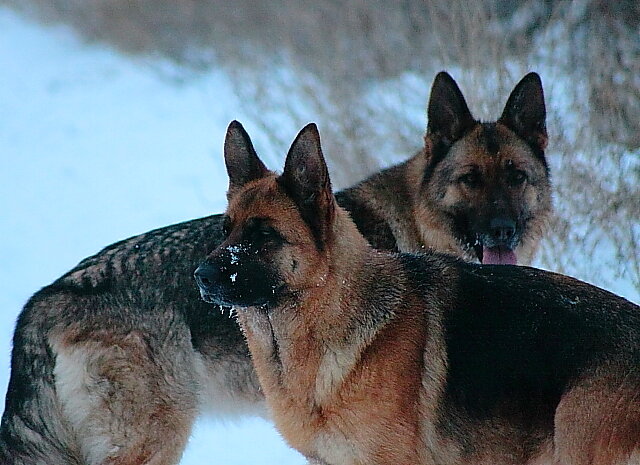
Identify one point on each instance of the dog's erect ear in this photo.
(448, 114)
(525, 112)
(243, 164)
(305, 171)
(306, 180)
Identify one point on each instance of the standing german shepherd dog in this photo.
(113, 361)
(374, 358)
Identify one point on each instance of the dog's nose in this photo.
(502, 230)
(206, 276)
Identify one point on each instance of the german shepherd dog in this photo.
(113, 361)
(368, 357)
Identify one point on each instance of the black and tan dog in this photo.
(121, 353)
(373, 358)
(479, 191)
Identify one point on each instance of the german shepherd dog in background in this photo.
(373, 358)
(479, 191)
(113, 361)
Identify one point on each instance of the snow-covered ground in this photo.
(95, 148)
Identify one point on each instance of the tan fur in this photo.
(614, 400)
(335, 420)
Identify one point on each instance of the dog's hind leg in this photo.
(130, 398)
(598, 421)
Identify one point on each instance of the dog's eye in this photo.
(517, 177)
(470, 179)
(267, 232)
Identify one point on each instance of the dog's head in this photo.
(489, 181)
(276, 228)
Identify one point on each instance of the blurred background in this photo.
(112, 116)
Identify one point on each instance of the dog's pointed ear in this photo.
(448, 115)
(241, 159)
(525, 112)
(306, 180)
(305, 170)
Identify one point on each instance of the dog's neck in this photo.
(331, 298)
(311, 342)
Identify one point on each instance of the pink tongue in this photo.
(498, 256)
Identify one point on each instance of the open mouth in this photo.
(497, 256)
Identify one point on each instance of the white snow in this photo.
(234, 251)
